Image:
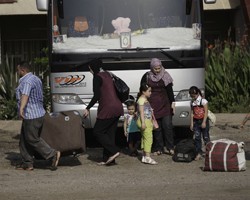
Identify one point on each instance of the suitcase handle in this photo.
(76, 113)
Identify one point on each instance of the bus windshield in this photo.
(98, 26)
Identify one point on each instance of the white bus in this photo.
(126, 35)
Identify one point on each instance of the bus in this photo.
(125, 35)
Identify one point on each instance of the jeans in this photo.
(200, 132)
(164, 135)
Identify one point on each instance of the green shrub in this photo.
(227, 77)
(8, 84)
(41, 69)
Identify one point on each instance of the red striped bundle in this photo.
(225, 155)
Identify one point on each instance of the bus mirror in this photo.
(210, 1)
(42, 5)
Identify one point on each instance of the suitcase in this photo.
(64, 131)
(225, 155)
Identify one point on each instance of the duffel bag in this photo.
(225, 155)
(184, 151)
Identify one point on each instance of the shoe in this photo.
(171, 152)
(22, 166)
(55, 160)
(101, 163)
(112, 163)
(157, 153)
(198, 157)
(148, 160)
(143, 159)
(112, 158)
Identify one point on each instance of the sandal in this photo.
(55, 160)
(101, 163)
(157, 153)
(170, 152)
(198, 157)
(112, 158)
(22, 166)
(148, 160)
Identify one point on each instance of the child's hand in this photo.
(143, 126)
(126, 134)
(203, 125)
(191, 127)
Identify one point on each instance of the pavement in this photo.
(231, 119)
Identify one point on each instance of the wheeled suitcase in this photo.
(64, 131)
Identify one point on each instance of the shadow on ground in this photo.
(15, 159)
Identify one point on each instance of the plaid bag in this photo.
(225, 155)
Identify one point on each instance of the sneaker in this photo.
(148, 160)
(143, 159)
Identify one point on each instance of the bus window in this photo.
(90, 26)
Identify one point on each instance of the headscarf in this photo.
(163, 75)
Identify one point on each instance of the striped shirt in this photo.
(31, 86)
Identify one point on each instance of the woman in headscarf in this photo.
(109, 111)
(163, 104)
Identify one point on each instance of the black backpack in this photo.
(184, 151)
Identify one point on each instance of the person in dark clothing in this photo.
(109, 111)
(163, 103)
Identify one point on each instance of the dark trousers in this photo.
(200, 132)
(164, 135)
(30, 141)
(104, 131)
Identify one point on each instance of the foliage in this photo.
(41, 68)
(8, 84)
(227, 76)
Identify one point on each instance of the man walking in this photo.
(29, 94)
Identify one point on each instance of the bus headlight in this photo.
(66, 98)
(184, 114)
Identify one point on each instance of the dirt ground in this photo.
(81, 178)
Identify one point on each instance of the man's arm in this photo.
(23, 103)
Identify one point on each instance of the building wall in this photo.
(23, 36)
(224, 24)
